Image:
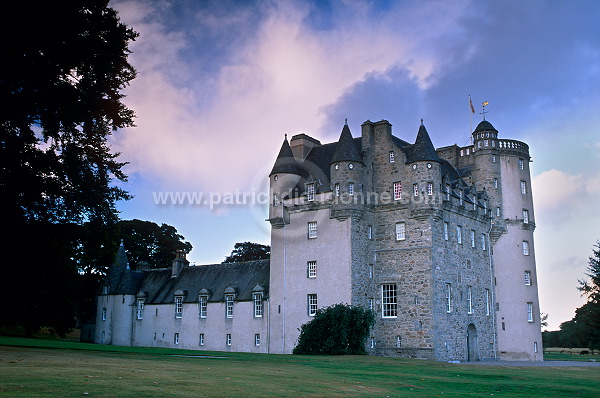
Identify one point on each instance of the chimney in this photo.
(178, 263)
(301, 145)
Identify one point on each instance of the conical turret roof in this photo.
(422, 149)
(285, 162)
(345, 149)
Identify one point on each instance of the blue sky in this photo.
(220, 82)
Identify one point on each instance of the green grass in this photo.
(54, 368)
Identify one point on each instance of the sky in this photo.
(220, 83)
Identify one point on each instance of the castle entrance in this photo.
(472, 350)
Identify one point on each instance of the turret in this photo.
(347, 175)
(425, 171)
(284, 178)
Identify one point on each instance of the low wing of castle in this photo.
(438, 243)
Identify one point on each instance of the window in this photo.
(483, 244)
(312, 269)
(389, 303)
(460, 197)
(535, 347)
(416, 189)
(447, 191)
(310, 192)
(257, 340)
(459, 234)
(337, 189)
(493, 158)
(525, 248)
(523, 187)
(202, 306)
(228, 339)
(495, 183)
(487, 301)
(400, 231)
(275, 200)
(176, 338)
(312, 229)
(201, 339)
(529, 312)
(448, 297)
(178, 306)
(525, 216)
(398, 341)
(527, 278)
(429, 188)
(497, 212)
(446, 227)
(472, 238)
(521, 164)
(312, 304)
(391, 156)
(229, 305)
(397, 190)
(350, 188)
(372, 344)
(370, 232)
(257, 298)
(103, 314)
(469, 300)
(371, 304)
(140, 308)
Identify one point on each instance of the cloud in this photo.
(281, 76)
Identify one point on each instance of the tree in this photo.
(147, 241)
(248, 251)
(61, 77)
(336, 330)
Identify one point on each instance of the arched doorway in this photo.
(472, 350)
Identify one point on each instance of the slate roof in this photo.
(285, 162)
(485, 126)
(346, 150)
(422, 149)
(160, 287)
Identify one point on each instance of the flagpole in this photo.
(471, 119)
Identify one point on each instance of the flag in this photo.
(484, 103)
(471, 105)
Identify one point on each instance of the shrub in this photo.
(339, 329)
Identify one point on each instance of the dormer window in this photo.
(310, 192)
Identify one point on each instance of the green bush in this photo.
(336, 330)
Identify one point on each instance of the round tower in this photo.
(502, 169)
(283, 180)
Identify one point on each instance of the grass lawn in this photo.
(55, 368)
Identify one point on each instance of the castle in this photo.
(438, 243)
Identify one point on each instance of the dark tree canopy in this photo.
(583, 331)
(336, 330)
(63, 67)
(147, 241)
(248, 251)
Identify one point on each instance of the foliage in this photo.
(336, 330)
(248, 251)
(61, 77)
(584, 329)
(147, 241)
